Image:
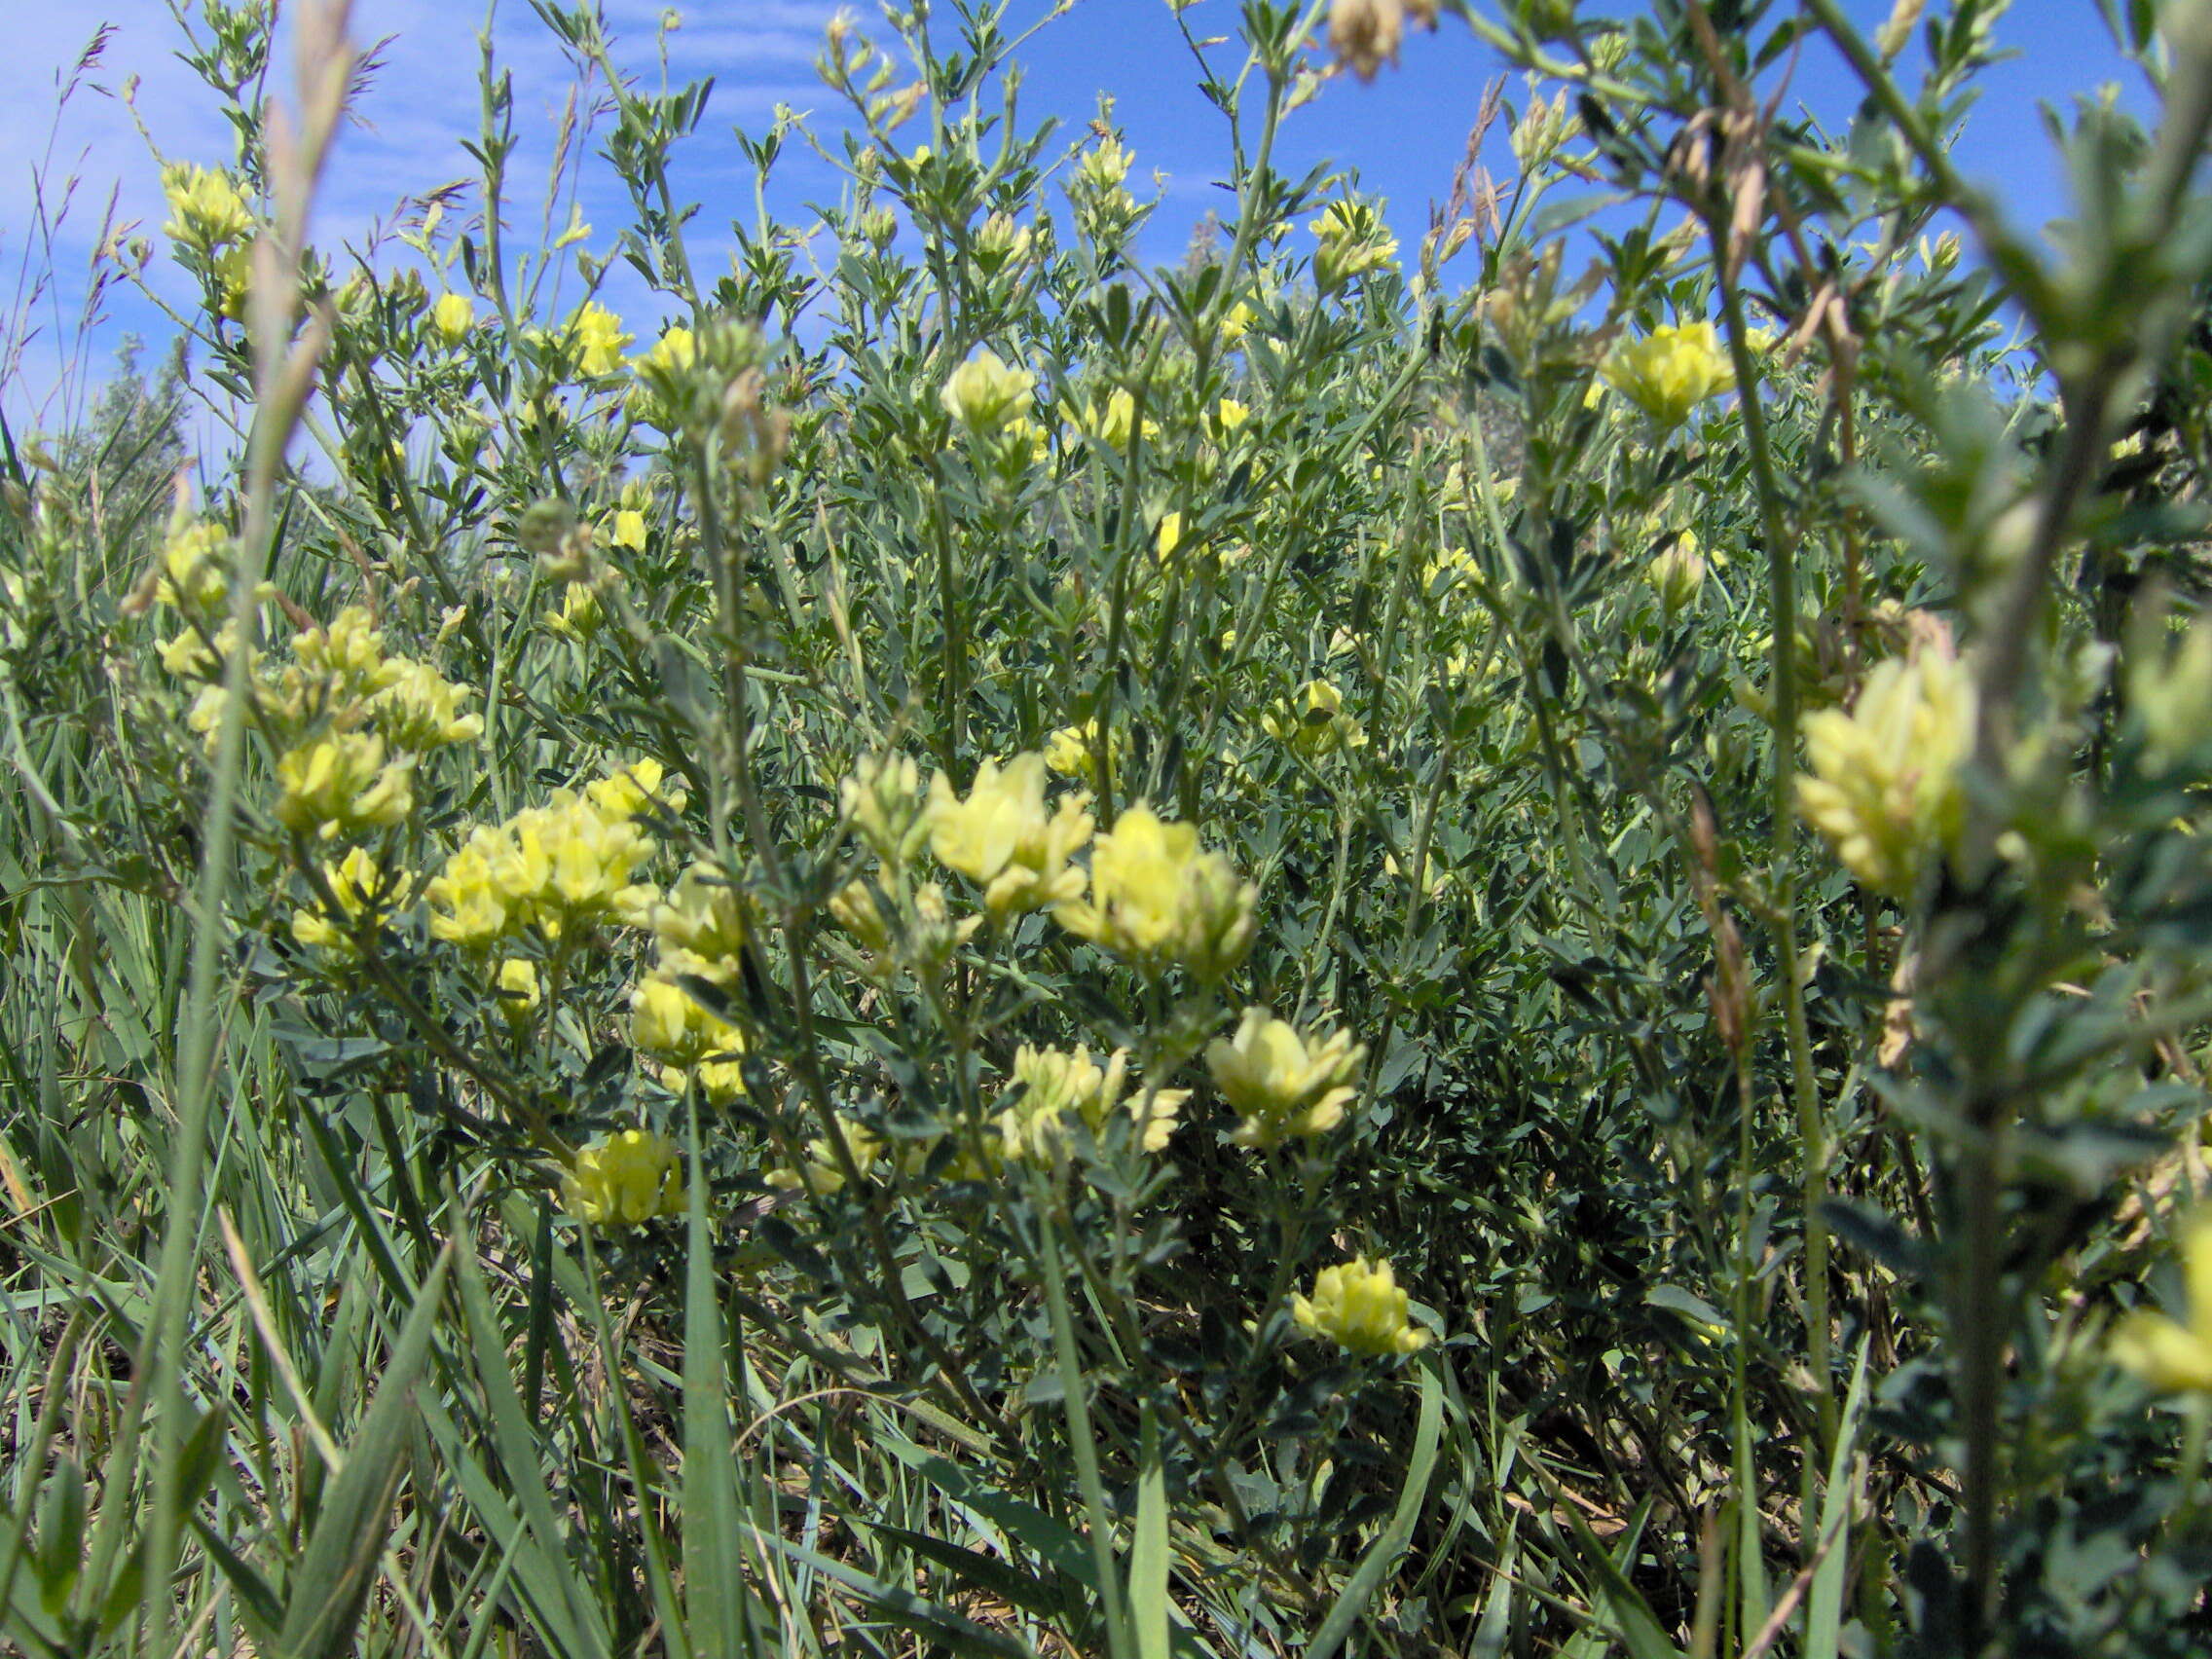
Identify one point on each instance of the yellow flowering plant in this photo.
(1071, 657)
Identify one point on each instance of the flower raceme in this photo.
(1670, 371)
(1158, 899)
(625, 1180)
(206, 210)
(1359, 1306)
(1353, 241)
(985, 392)
(1057, 1084)
(2169, 1354)
(821, 1171)
(1286, 1084)
(1003, 838)
(1885, 787)
(567, 865)
(1313, 723)
(342, 786)
(598, 337)
(358, 888)
(452, 316)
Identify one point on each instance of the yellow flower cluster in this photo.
(597, 334)
(985, 392)
(1157, 898)
(1314, 721)
(1055, 1084)
(1670, 371)
(566, 866)
(657, 394)
(207, 211)
(343, 786)
(820, 1171)
(1285, 1085)
(517, 989)
(1111, 423)
(626, 1180)
(1072, 750)
(673, 354)
(1678, 573)
(420, 708)
(1353, 242)
(1359, 1306)
(580, 615)
(1003, 838)
(1885, 787)
(700, 930)
(881, 800)
(2170, 1355)
(196, 565)
(452, 316)
(360, 892)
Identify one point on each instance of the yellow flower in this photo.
(468, 904)
(1286, 1085)
(1235, 323)
(628, 529)
(1353, 241)
(1885, 784)
(854, 909)
(598, 336)
(358, 889)
(196, 566)
(452, 316)
(626, 1180)
(1228, 415)
(1157, 898)
(820, 1171)
(881, 800)
(1359, 1306)
(1671, 370)
(341, 785)
(658, 393)
(702, 915)
(420, 708)
(2168, 1354)
(983, 394)
(1001, 241)
(1169, 540)
(343, 664)
(579, 617)
(1676, 575)
(1055, 1083)
(1072, 750)
(2169, 686)
(1314, 721)
(205, 208)
(517, 989)
(673, 354)
(567, 865)
(667, 1021)
(1002, 838)
(1103, 169)
(1111, 423)
(629, 791)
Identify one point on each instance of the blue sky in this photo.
(1404, 134)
